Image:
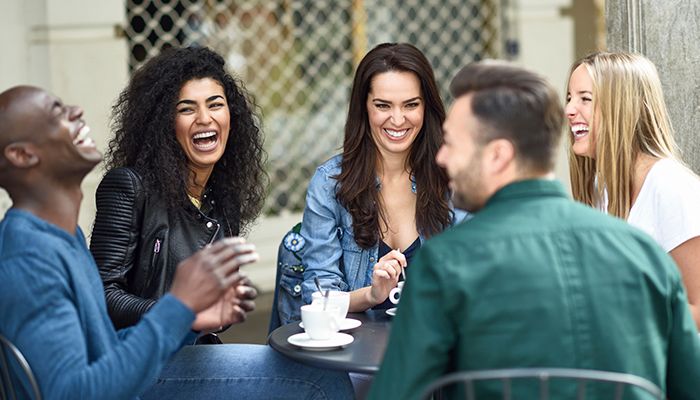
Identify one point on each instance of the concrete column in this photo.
(70, 48)
(545, 33)
(668, 33)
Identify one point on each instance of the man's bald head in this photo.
(17, 106)
(40, 138)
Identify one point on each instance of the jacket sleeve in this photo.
(323, 252)
(114, 244)
(423, 334)
(50, 331)
(683, 373)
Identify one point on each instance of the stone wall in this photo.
(668, 33)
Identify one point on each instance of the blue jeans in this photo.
(244, 371)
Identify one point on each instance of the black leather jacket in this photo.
(138, 244)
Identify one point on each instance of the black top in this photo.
(408, 253)
(137, 242)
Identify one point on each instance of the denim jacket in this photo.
(328, 249)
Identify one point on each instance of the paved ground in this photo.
(254, 329)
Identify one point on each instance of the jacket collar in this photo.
(531, 188)
(43, 225)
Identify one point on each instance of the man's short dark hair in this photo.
(515, 104)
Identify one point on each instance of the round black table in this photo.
(363, 355)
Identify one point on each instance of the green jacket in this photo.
(537, 280)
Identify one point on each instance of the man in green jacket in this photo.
(533, 279)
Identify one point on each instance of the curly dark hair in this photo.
(143, 121)
(357, 190)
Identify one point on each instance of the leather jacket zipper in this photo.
(154, 257)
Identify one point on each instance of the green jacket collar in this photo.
(531, 188)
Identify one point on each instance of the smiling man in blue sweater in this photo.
(52, 305)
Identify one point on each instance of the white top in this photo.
(668, 205)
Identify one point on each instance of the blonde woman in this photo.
(624, 159)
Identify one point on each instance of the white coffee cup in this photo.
(395, 294)
(320, 323)
(336, 298)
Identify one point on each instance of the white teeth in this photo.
(204, 135)
(88, 143)
(82, 134)
(579, 127)
(579, 130)
(396, 134)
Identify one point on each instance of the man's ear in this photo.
(501, 155)
(21, 154)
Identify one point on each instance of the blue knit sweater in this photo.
(52, 308)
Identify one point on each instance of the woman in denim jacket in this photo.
(369, 208)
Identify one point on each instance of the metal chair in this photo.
(8, 389)
(544, 376)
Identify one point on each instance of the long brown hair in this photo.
(630, 118)
(357, 182)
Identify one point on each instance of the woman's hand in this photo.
(385, 276)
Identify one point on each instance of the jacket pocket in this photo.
(347, 240)
(156, 250)
(352, 265)
(155, 261)
(289, 299)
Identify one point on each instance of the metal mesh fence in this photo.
(297, 57)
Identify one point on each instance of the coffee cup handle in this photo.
(395, 295)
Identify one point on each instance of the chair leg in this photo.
(619, 391)
(581, 392)
(7, 387)
(470, 390)
(506, 389)
(544, 387)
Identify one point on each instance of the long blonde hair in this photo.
(630, 118)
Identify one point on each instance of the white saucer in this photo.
(391, 311)
(346, 325)
(305, 342)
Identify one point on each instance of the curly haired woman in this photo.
(185, 168)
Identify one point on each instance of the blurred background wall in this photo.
(296, 56)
